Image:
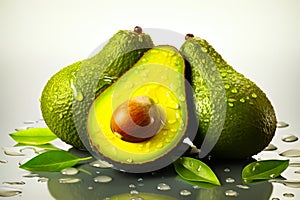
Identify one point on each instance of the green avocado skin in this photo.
(235, 116)
(97, 73)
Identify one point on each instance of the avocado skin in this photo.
(97, 73)
(56, 105)
(250, 120)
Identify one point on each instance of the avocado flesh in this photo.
(68, 94)
(233, 111)
(159, 74)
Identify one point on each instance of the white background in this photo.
(260, 39)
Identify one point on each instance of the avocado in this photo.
(68, 94)
(236, 119)
(157, 78)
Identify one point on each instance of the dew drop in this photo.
(288, 183)
(234, 91)
(3, 161)
(230, 180)
(282, 124)
(14, 182)
(101, 164)
(131, 186)
(270, 147)
(231, 193)
(297, 172)
(226, 170)
(185, 193)
(103, 179)
(290, 138)
(163, 186)
(242, 100)
(294, 164)
(275, 198)
(291, 153)
(9, 192)
(43, 180)
(245, 187)
(69, 180)
(288, 195)
(196, 187)
(10, 152)
(70, 171)
(132, 192)
(90, 188)
(253, 95)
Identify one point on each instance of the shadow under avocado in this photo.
(127, 185)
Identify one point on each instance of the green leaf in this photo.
(33, 136)
(194, 170)
(263, 170)
(53, 160)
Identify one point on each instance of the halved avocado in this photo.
(159, 75)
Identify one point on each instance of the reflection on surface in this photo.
(123, 185)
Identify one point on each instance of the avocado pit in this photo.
(137, 119)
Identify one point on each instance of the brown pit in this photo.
(137, 119)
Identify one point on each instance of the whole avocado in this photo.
(236, 119)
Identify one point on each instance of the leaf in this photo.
(33, 136)
(194, 170)
(263, 170)
(53, 160)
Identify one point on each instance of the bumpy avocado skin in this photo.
(227, 101)
(56, 105)
(67, 95)
(96, 74)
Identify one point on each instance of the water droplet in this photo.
(30, 175)
(242, 100)
(227, 170)
(163, 186)
(288, 195)
(43, 179)
(69, 180)
(291, 153)
(272, 175)
(253, 95)
(3, 161)
(231, 193)
(227, 86)
(101, 164)
(196, 187)
(14, 182)
(10, 152)
(275, 198)
(282, 124)
(185, 193)
(245, 187)
(288, 183)
(9, 192)
(230, 104)
(297, 172)
(131, 186)
(294, 164)
(270, 147)
(132, 192)
(230, 180)
(290, 138)
(29, 122)
(70, 171)
(103, 179)
(234, 91)
(90, 188)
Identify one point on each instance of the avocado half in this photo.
(159, 75)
